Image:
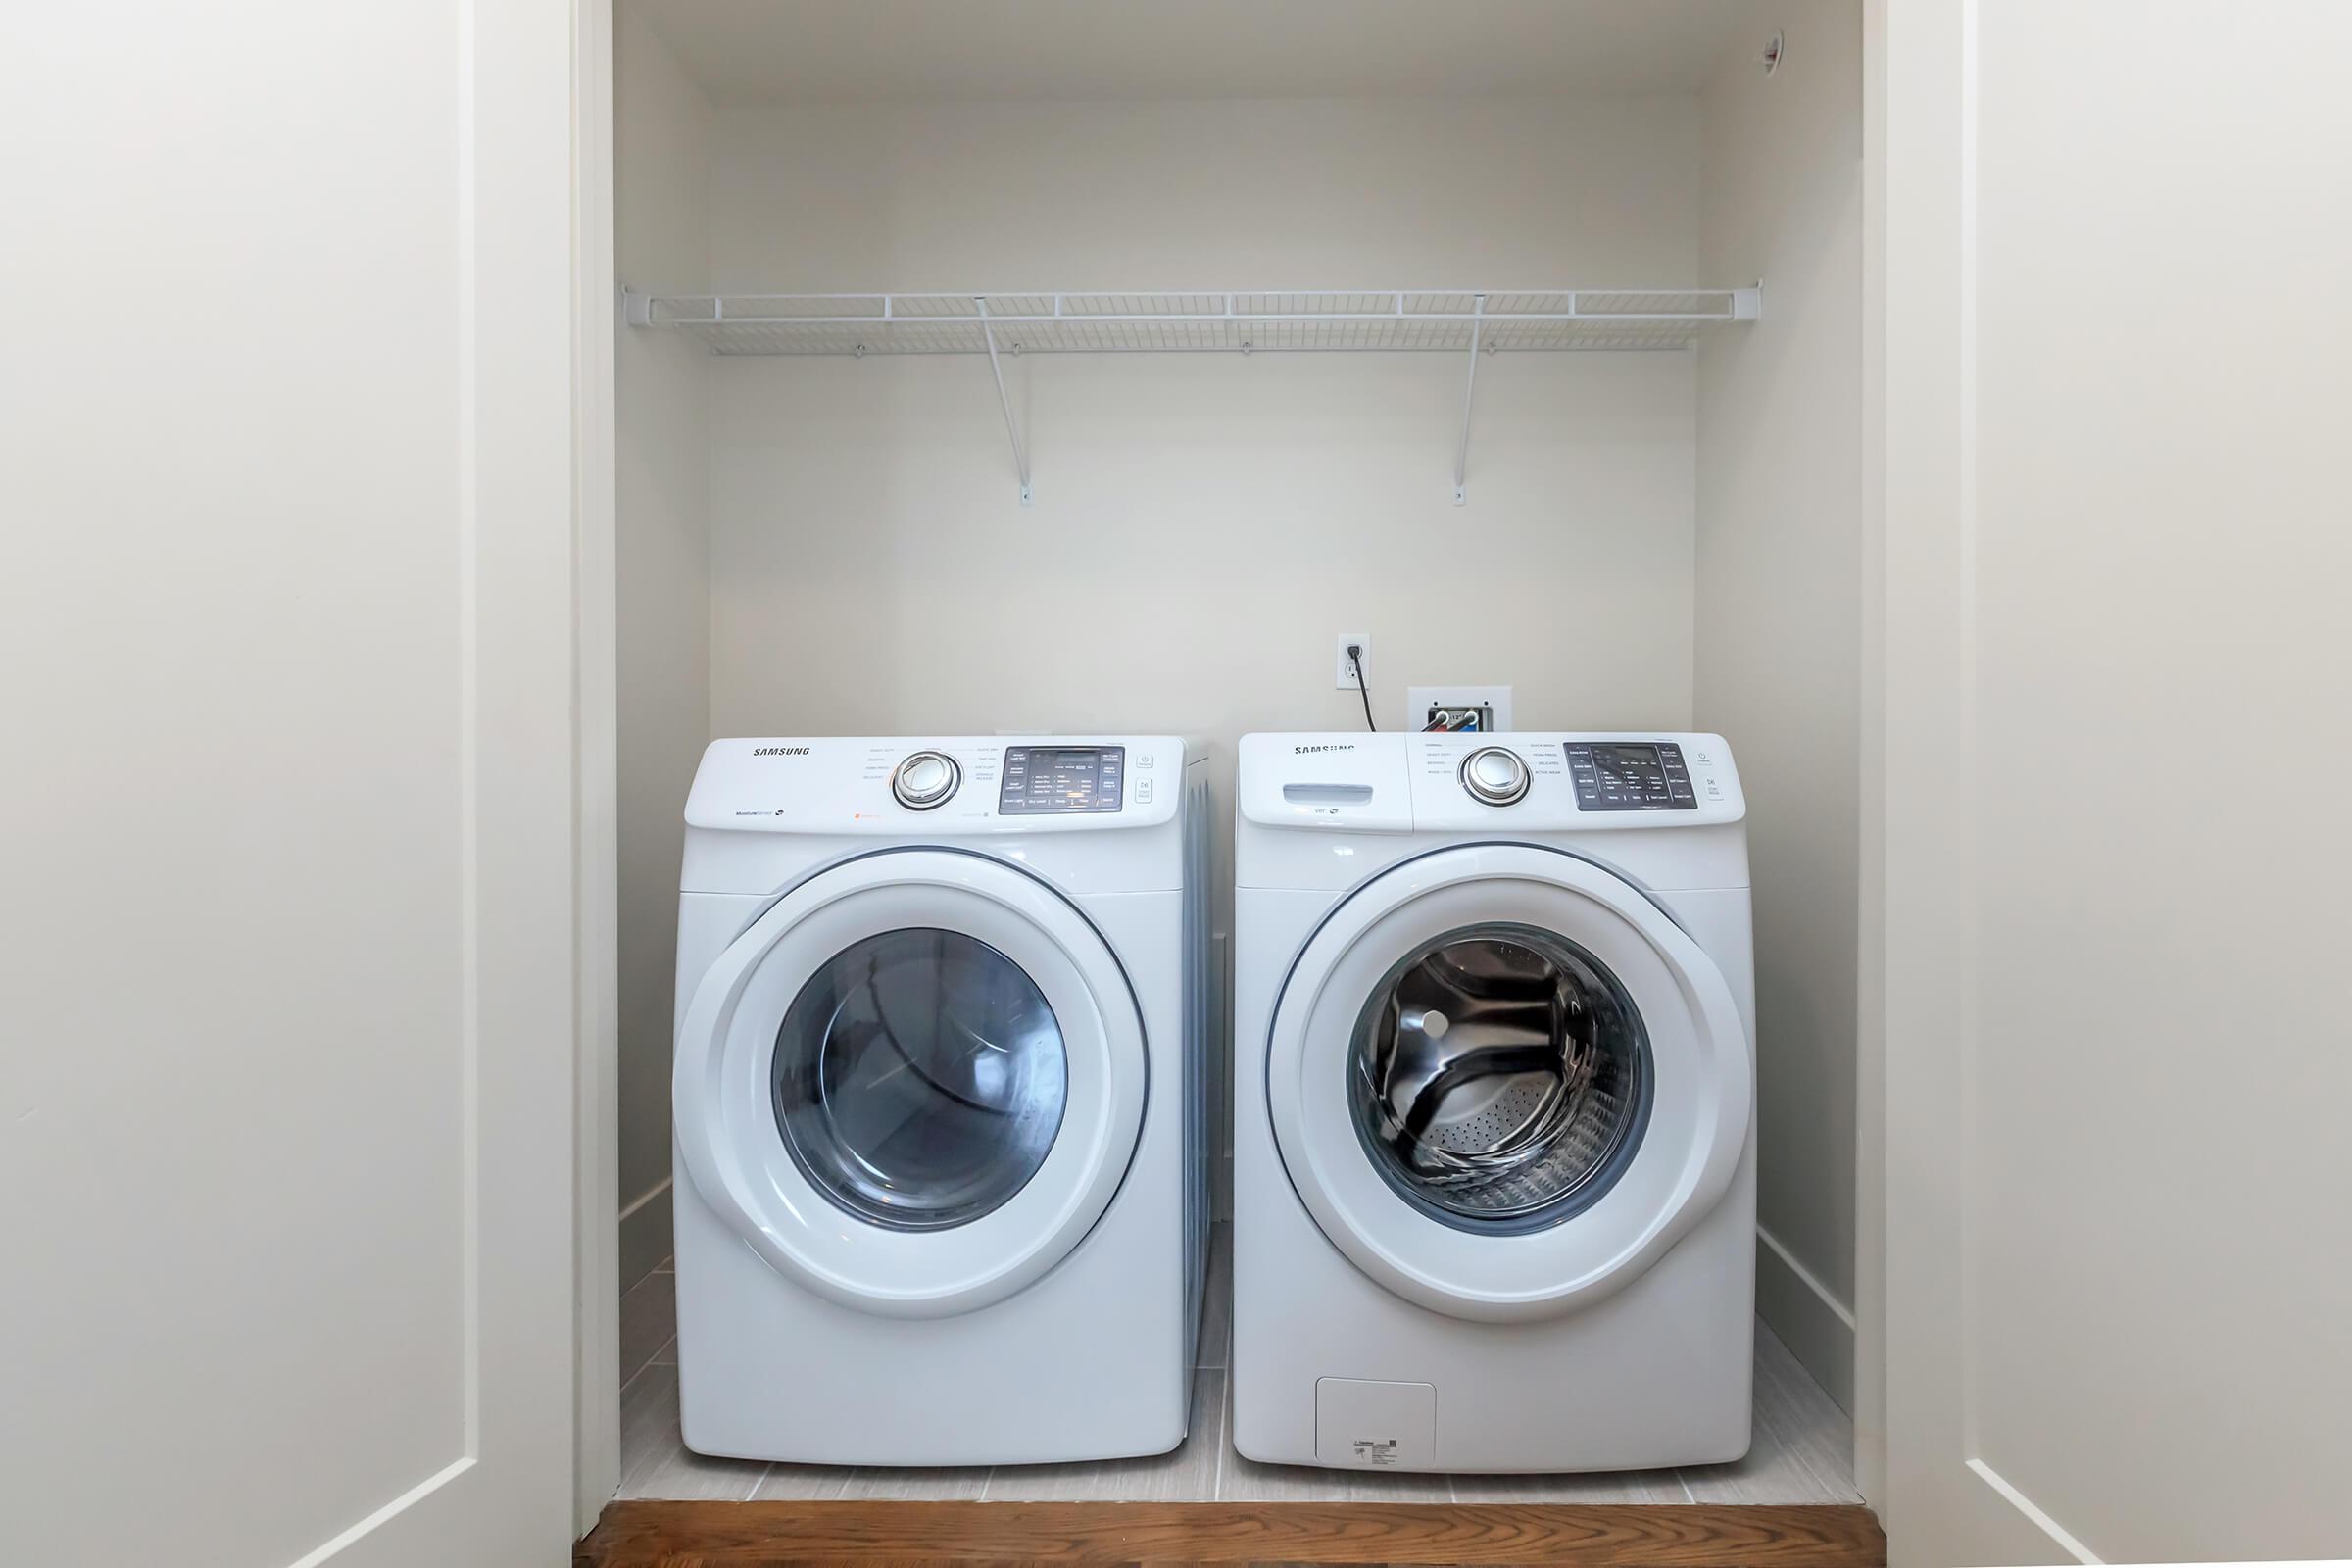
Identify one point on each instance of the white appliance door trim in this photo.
(1703, 1084)
(723, 1089)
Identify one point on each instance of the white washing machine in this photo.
(940, 1098)
(1495, 1169)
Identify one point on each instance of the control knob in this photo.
(1494, 775)
(925, 779)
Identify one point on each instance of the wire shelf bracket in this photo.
(1461, 453)
(1475, 321)
(1012, 428)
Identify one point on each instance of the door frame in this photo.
(1889, 480)
(1870, 956)
(596, 776)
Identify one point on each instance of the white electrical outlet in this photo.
(1359, 640)
(1419, 700)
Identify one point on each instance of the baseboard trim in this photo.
(646, 1233)
(774, 1535)
(1816, 1326)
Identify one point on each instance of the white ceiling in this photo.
(759, 51)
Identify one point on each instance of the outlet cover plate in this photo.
(1419, 699)
(1347, 677)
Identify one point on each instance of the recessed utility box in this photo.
(1481, 710)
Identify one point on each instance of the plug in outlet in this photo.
(1481, 709)
(1363, 642)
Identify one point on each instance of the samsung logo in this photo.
(1336, 746)
(779, 751)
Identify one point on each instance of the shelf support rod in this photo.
(988, 331)
(1461, 453)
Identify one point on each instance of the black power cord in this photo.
(1356, 662)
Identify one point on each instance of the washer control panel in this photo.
(1526, 781)
(1625, 776)
(1053, 780)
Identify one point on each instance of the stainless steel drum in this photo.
(1499, 1078)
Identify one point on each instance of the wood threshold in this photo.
(655, 1534)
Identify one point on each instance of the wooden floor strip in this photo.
(652, 1533)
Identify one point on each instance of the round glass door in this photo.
(1499, 1078)
(912, 1083)
(1504, 1082)
(920, 1079)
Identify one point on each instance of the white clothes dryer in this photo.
(1494, 1167)
(939, 1102)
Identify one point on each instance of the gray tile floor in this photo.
(1803, 1450)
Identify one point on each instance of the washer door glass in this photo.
(921, 1079)
(1499, 1078)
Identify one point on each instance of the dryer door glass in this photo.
(920, 1079)
(1499, 1078)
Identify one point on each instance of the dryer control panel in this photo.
(1048, 780)
(940, 786)
(1630, 776)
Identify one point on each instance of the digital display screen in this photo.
(1044, 780)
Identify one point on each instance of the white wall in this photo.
(1778, 629)
(662, 241)
(1201, 526)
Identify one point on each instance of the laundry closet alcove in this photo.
(1072, 370)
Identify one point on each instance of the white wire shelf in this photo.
(1322, 320)
(1467, 321)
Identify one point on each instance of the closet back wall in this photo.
(1202, 525)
